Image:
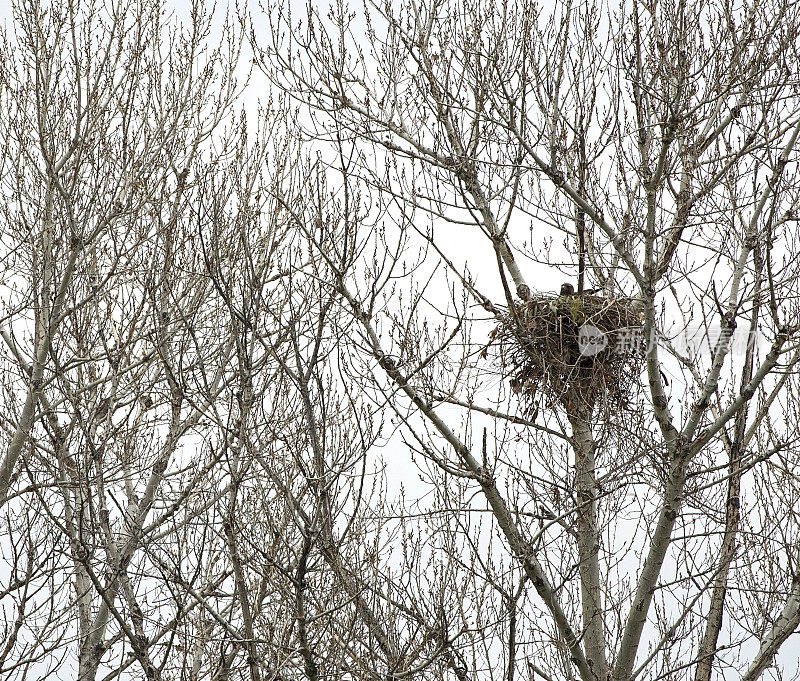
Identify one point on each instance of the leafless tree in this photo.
(261, 418)
(648, 150)
(109, 363)
(185, 481)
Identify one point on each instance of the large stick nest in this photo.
(573, 349)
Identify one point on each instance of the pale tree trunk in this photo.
(784, 626)
(588, 539)
(708, 645)
(51, 300)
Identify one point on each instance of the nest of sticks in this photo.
(573, 349)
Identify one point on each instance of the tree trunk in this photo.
(585, 449)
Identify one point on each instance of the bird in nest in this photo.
(568, 289)
(567, 302)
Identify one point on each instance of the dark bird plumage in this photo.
(568, 289)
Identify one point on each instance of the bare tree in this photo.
(185, 477)
(658, 140)
(107, 111)
(276, 401)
